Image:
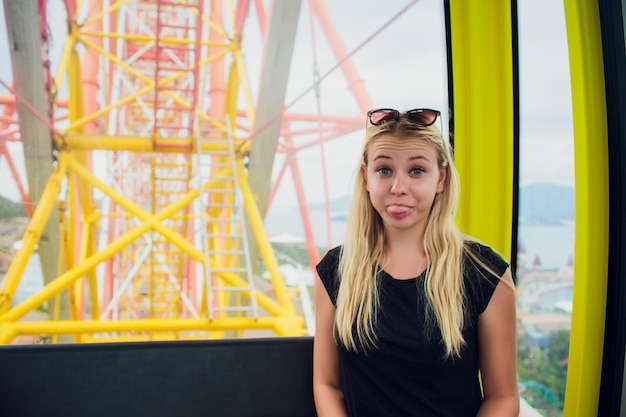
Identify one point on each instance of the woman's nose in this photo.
(398, 185)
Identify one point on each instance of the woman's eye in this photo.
(384, 171)
(416, 171)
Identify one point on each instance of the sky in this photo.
(402, 66)
(405, 67)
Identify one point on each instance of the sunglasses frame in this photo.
(393, 114)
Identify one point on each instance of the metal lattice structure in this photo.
(150, 181)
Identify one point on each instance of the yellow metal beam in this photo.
(82, 187)
(7, 334)
(64, 61)
(265, 247)
(242, 77)
(482, 75)
(73, 144)
(164, 329)
(154, 222)
(592, 207)
(145, 39)
(46, 204)
(112, 9)
(150, 85)
(150, 222)
(78, 141)
(151, 325)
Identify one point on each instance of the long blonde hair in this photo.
(359, 272)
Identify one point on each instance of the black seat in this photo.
(269, 377)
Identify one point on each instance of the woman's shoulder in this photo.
(332, 254)
(483, 269)
(483, 256)
(329, 262)
(327, 271)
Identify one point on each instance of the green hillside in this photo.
(10, 209)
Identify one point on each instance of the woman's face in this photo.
(402, 177)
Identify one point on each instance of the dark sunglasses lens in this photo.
(424, 117)
(382, 115)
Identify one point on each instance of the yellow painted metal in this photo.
(238, 76)
(31, 237)
(7, 334)
(209, 21)
(170, 176)
(149, 222)
(112, 9)
(167, 222)
(126, 100)
(243, 77)
(82, 187)
(62, 266)
(145, 39)
(149, 81)
(482, 72)
(67, 230)
(230, 101)
(140, 92)
(154, 222)
(151, 325)
(92, 277)
(164, 336)
(592, 208)
(78, 286)
(69, 46)
(77, 141)
(256, 221)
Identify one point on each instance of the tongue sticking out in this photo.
(398, 211)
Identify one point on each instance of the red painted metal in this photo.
(311, 245)
(355, 82)
(318, 128)
(261, 16)
(9, 132)
(165, 66)
(241, 12)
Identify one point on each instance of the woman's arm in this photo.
(326, 388)
(497, 341)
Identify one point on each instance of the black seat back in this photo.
(223, 378)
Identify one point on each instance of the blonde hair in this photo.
(359, 272)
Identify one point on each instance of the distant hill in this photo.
(10, 208)
(545, 202)
(338, 205)
(540, 202)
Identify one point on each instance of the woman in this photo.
(412, 317)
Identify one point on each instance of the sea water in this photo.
(552, 243)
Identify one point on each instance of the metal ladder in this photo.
(170, 178)
(178, 63)
(223, 236)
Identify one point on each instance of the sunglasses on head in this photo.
(424, 117)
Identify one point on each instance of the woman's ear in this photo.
(441, 185)
(364, 173)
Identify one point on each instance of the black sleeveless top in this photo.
(405, 374)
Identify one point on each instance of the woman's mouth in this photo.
(398, 211)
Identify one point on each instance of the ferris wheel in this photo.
(147, 147)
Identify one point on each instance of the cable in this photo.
(331, 70)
